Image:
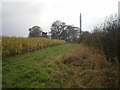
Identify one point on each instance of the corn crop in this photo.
(19, 45)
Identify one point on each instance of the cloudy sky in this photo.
(20, 15)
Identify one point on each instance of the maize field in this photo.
(19, 45)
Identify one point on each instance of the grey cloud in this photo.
(18, 17)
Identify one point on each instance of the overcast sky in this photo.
(20, 15)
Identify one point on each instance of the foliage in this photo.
(106, 38)
(60, 30)
(35, 31)
(56, 29)
(84, 37)
(72, 33)
(14, 45)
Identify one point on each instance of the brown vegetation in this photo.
(106, 38)
(90, 69)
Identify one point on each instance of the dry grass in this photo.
(91, 69)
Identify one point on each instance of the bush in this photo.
(106, 38)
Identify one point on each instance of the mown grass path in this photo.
(34, 69)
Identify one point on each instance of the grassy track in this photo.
(35, 69)
(59, 67)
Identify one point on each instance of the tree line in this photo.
(59, 30)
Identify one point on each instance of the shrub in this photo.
(106, 38)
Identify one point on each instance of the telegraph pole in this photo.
(119, 13)
(80, 23)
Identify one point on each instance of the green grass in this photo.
(61, 66)
(38, 69)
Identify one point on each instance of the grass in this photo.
(90, 68)
(60, 66)
(32, 69)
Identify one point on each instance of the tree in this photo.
(56, 29)
(72, 33)
(35, 31)
(84, 37)
(64, 35)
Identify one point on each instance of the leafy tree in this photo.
(35, 31)
(56, 29)
(72, 33)
(64, 35)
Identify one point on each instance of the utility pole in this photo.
(80, 23)
(119, 13)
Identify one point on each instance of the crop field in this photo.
(14, 46)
